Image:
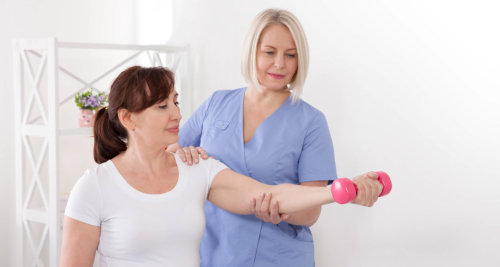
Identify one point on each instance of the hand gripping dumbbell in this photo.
(344, 190)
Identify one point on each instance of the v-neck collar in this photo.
(287, 100)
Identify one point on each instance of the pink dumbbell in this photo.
(344, 190)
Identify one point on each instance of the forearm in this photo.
(303, 201)
(234, 192)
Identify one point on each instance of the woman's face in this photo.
(158, 125)
(276, 58)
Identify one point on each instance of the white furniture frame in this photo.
(47, 128)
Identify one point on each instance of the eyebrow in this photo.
(270, 46)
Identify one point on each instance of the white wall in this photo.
(111, 21)
(410, 87)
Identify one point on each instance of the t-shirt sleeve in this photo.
(213, 168)
(84, 203)
(317, 160)
(190, 132)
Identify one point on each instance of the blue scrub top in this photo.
(293, 145)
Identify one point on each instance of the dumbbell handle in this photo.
(344, 190)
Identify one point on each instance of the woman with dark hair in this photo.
(142, 206)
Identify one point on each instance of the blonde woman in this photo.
(265, 131)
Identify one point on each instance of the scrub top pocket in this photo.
(221, 124)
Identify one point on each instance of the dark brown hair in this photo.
(135, 89)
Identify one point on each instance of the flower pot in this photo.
(86, 118)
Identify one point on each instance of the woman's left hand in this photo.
(264, 208)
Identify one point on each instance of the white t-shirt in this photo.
(139, 229)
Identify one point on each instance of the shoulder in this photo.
(202, 174)
(306, 108)
(308, 113)
(86, 198)
(203, 166)
(220, 96)
(205, 170)
(228, 92)
(94, 178)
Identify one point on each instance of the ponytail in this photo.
(109, 136)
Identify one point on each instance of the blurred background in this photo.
(408, 87)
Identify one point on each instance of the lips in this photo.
(174, 129)
(276, 76)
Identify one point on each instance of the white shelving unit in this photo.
(38, 98)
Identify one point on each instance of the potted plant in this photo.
(88, 101)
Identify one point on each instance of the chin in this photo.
(275, 87)
(173, 140)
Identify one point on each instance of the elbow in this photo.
(312, 221)
(314, 217)
(305, 218)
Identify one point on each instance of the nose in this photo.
(279, 61)
(177, 114)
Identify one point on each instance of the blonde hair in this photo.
(249, 51)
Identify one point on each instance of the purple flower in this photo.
(91, 99)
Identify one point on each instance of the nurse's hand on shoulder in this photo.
(369, 189)
(264, 208)
(188, 154)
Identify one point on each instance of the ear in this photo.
(125, 118)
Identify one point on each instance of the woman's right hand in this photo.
(191, 154)
(369, 189)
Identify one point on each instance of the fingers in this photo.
(202, 152)
(254, 202)
(267, 210)
(275, 216)
(189, 156)
(264, 208)
(192, 155)
(372, 175)
(257, 211)
(182, 154)
(369, 189)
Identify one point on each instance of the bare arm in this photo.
(266, 209)
(79, 243)
(235, 192)
(309, 216)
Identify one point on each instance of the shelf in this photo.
(37, 69)
(39, 216)
(86, 131)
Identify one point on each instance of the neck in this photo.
(266, 97)
(145, 159)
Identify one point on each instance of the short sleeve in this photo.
(214, 167)
(190, 132)
(84, 203)
(317, 160)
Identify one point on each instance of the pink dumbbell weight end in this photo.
(344, 190)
